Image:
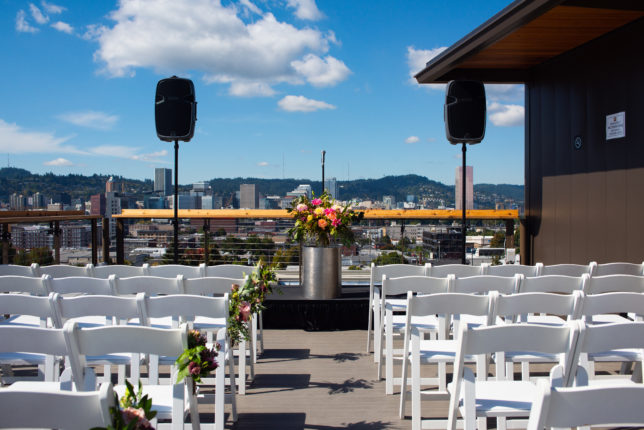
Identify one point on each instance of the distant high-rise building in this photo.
(389, 202)
(248, 196)
(331, 185)
(163, 181)
(469, 188)
(38, 201)
(97, 204)
(301, 190)
(110, 185)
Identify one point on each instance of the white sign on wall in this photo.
(616, 125)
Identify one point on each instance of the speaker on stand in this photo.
(465, 111)
(175, 113)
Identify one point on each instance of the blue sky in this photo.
(277, 82)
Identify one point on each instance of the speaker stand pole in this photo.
(463, 199)
(323, 153)
(176, 202)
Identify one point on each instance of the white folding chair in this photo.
(517, 308)
(613, 283)
(566, 269)
(458, 270)
(26, 311)
(603, 269)
(612, 342)
(99, 311)
(16, 270)
(395, 324)
(33, 408)
(567, 407)
(64, 271)
(151, 285)
(172, 402)
(23, 284)
(421, 351)
(560, 284)
(377, 272)
(513, 269)
(29, 346)
(214, 287)
(118, 270)
(78, 285)
(480, 398)
(172, 270)
(186, 308)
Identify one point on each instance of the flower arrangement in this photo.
(321, 219)
(248, 299)
(132, 412)
(197, 360)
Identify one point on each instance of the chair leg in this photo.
(261, 332)
(370, 321)
(233, 382)
(377, 336)
(415, 394)
(241, 366)
(389, 368)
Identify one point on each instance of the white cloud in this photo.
(152, 157)
(250, 89)
(129, 152)
(59, 162)
(52, 8)
(507, 92)
(206, 36)
(417, 60)
(22, 25)
(306, 9)
(321, 72)
(302, 104)
(37, 14)
(506, 115)
(262, 163)
(63, 26)
(412, 139)
(251, 6)
(14, 140)
(90, 119)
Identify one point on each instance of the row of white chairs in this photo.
(126, 271)
(463, 270)
(477, 396)
(173, 401)
(38, 310)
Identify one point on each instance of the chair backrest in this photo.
(513, 269)
(120, 270)
(458, 270)
(183, 307)
(16, 270)
(64, 271)
(603, 269)
(396, 271)
(482, 284)
(22, 304)
(514, 307)
(566, 269)
(23, 284)
(588, 405)
(151, 285)
(227, 271)
(615, 283)
(78, 284)
(122, 308)
(611, 303)
(553, 284)
(83, 342)
(172, 270)
(210, 286)
(416, 284)
(606, 337)
(37, 340)
(70, 410)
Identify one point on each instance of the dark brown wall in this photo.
(586, 204)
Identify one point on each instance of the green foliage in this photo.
(42, 256)
(389, 258)
(197, 360)
(126, 414)
(498, 240)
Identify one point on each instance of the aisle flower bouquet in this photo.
(322, 221)
(197, 360)
(248, 299)
(132, 411)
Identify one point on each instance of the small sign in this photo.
(616, 125)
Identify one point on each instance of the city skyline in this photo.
(290, 80)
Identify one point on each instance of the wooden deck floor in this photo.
(316, 380)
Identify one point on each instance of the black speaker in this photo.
(175, 109)
(465, 112)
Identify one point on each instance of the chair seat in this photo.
(443, 351)
(425, 323)
(22, 320)
(208, 323)
(161, 396)
(398, 305)
(609, 319)
(629, 354)
(110, 359)
(22, 358)
(531, 357)
(504, 398)
(549, 320)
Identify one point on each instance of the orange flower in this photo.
(322, 223)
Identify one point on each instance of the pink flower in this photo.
(301, 207)
(244, 310)
(322, 223)
(336, 222)
(131, 414)
(316, 202)
(329, 211)
(194, 368)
